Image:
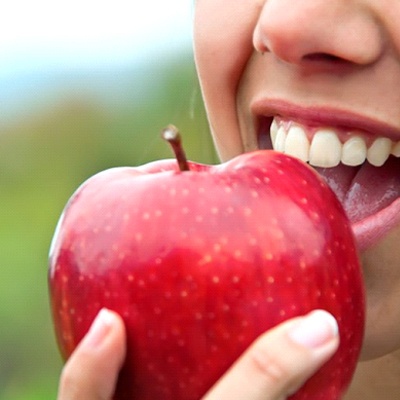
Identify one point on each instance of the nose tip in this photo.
(317, 30)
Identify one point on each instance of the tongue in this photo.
(364, 190)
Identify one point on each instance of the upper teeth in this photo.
(325, 148)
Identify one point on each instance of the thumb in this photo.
(279, 362)
(92, 370)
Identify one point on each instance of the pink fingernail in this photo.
(100, 328)
(314, 330)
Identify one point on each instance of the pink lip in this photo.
(374, 227)
(324, 116)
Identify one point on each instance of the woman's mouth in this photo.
(362, 169)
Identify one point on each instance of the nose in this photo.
(324, 30)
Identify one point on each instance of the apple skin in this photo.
(200, 263)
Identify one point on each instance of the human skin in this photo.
(340, 57)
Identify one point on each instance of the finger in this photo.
(92, 370)
(279, 362)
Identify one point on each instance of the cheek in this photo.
(223, 31)
(382, 278)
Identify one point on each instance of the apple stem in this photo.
(173, 137)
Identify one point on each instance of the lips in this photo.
(362, 168)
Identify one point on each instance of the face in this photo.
(323, 80)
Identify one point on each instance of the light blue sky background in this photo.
(82, 33)
(50, 45)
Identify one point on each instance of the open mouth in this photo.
(361, 169)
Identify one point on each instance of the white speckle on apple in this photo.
(237, 254)
(150, 366)
(199, 316)
(214, 210)
(65, 278)
(254, 194)
(217, 247)
(158, 213)
(157, 310)
(316, 253)
(215, 279)
(270, 299)
(131, 278)
(141, 283)
(158, 261)
(184, 293)
(289, 279)
(266, 180)
(138, 236)
(223, 240)
(235, 279)
(126, 217)
(172, 192)
(304, 200)
(185, 210)
(253, 241)
(201, 189)
(315, 216)
(72, 311)
(228, 189)
(282, 313)
(207, 258)
(230, 210)
(211, 315)
(226, 307)
(146, 216)
(185, 192)
(269, 256)
(247, 211)
(270, 280)
(199, 218)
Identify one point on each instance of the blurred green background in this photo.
(47, 149)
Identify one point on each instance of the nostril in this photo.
(322, 57)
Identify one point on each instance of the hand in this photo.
(279, 362)
(92, 370)
(273, 368)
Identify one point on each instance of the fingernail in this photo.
(100, 328)
(314, 330)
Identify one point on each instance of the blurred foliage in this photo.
(44, 156)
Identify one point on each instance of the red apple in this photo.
(200, 262)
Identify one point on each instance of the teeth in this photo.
(297, 143)
(354, 151)
(396, 149)
(280, 140)
(326, 150)
(379, 152)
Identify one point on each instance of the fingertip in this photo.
(92, 370)
(315, 330)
